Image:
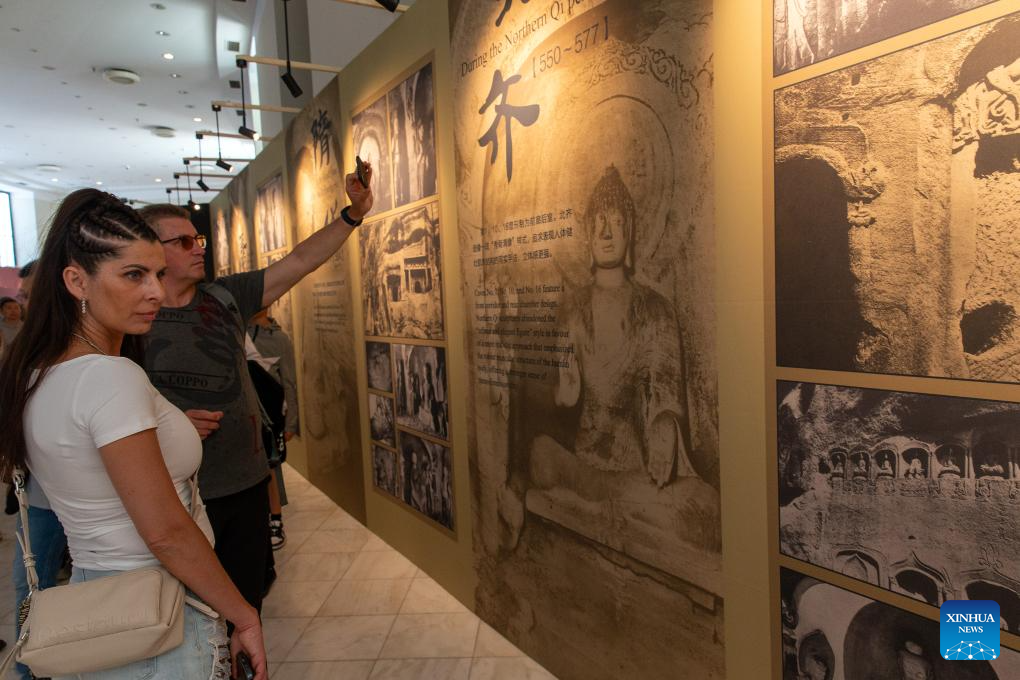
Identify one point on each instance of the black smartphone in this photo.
(362, 175)
(246, 672)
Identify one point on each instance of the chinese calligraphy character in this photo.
(525, 115)
(506, 8)
(321, 127)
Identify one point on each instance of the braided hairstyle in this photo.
(90, 226)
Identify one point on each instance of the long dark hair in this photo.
(90, 226)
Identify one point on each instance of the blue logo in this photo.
(969, 630)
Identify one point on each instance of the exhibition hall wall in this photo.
(681, 340)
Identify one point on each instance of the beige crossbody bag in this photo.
(100, 624)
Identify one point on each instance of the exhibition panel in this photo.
(672, 346)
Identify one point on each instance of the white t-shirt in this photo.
(81, 406)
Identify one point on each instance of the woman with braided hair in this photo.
(112, 455)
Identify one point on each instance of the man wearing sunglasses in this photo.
(195, 357)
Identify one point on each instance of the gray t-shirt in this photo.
(195, 357)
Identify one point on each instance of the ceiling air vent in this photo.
(121, 76)
(49, 168)
(233, 46)
(162, 131)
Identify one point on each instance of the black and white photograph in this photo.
(380, 417)
(282, 311)
(386, 471)
(869, 481)
(422, 403)
(427, 476)
(380, 370)
(269, 219)
(585, 167)
(372, 144)
(412, 131)
(401, 275)
(829, 633)
(895, 212)
(806, 32)
(221, 240)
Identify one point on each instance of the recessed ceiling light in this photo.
(159, 179)
(189, 106)
(34, 51)
(182, 92)
(50, 68)
(197, 119)
(168, 55)
(54, 179)
(142, 104)
(175, 75)
(99, 182)
(121, 76)
(162, 33)
(157, 5)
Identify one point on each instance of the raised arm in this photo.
(309, 255)
(139, 475)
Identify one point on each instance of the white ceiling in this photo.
(56, 108)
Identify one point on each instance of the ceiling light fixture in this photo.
(197, 119)
(187, 170)
(99, 182)
(159, 179)
(244, 129)
(288, 76)
(177, 183)
(219, 147)
(168, 56)
(175, 75)
(121, 76)
(54, 179)
(163, 34)
(201, 176)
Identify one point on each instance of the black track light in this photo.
(177, 181)
(391, 5)
(201, 175)
(187, 172)
(220, 163)
(288, 80)
(288, 76)
(194, 206)
(244, 130)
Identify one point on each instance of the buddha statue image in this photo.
(623, 373)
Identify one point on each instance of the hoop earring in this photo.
(84, 307)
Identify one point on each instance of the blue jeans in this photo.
(204, 654)
(48, 544)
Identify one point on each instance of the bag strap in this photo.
(20, 481)
(225, 298)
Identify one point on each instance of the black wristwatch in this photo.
(348, 220)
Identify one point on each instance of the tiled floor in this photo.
(346, 606)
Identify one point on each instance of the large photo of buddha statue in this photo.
(585, 207)
(830, 633)
(624, 466)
